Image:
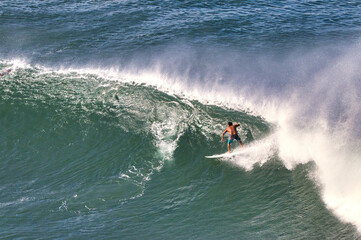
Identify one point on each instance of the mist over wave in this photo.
(111, 107)
(310, 96)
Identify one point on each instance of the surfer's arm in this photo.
(223, 135)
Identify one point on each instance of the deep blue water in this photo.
(111, 107)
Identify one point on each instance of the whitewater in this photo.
(104, 128)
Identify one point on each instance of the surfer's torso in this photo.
(232, 130)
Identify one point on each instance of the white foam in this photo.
(167, 131)
(316, 110)
(317, 119)
(17, 202)
(257, 152)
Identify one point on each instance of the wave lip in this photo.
(315, 112)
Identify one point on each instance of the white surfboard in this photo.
(239, 152)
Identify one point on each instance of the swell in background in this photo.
(289, 62)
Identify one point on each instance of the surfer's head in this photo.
(230, 123)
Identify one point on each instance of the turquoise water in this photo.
(112, 106)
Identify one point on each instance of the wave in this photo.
(301, 107)
(78, 127)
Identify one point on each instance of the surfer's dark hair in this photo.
(230, 123)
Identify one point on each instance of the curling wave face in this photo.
(93, 138)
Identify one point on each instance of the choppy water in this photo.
(112, 106)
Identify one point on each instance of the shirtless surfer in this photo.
(232, 130)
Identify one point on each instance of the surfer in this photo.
(5, 72)
(232, 130)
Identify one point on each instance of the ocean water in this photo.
(111, 107)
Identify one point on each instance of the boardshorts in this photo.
(233, 137)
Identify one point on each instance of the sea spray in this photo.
(304, 128)
(316, 99)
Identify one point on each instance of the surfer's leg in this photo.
(229, 145)
(239, 140)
